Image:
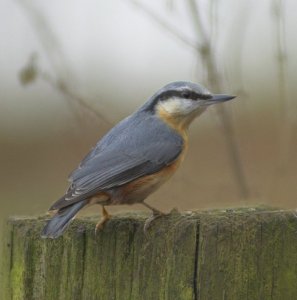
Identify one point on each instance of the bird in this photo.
(135, 157)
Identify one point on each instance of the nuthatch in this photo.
(136, 156)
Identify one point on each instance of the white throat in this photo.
(177, 106)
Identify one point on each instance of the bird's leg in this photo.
(155, 211)
(105, 217)
(156, 214)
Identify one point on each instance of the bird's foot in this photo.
(174, 211)
(148, 223)
(156, 215)
(106, 217)
(100, 224)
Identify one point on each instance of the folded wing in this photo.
(132, 154)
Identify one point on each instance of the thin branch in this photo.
(165, 25)
(208, 59)
(201, 33)
(213, 20)
(56, 57)
(236, 37)
(284, 124)
(48, 40)
(63, 88)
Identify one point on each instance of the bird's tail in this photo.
(57, 225)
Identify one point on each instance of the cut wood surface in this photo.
(228, 254)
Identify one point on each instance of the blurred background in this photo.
(70, 70)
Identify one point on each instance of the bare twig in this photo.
(213, 77)
(56, 57)
(165, 25)
(213, 17)
(201, 33)
(284, 124)
(236, 37)
(63, 88)
(48, 40)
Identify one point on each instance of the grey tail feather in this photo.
(57, 225)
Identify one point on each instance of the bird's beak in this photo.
(219, 98)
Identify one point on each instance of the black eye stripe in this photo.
(183, 94)
(186, 94)
(167, 94)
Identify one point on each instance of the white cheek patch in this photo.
(178, 106)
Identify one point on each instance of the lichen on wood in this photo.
(233, 254)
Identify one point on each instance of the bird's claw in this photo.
(156, 215)
(148, 223)
(100, 224)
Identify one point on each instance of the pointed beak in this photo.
(217, 98)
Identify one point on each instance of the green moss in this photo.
(17, 267)
(242, 253)
(248, 256)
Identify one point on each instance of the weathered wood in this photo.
(234, 254)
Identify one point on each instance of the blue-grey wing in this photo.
(142, 146)
(112, 137)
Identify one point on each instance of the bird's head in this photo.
(180, 102)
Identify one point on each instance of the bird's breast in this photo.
(137, 190)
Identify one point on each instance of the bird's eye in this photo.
(186, 95)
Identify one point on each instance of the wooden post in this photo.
(234, 254)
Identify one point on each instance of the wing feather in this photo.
(133, 152)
